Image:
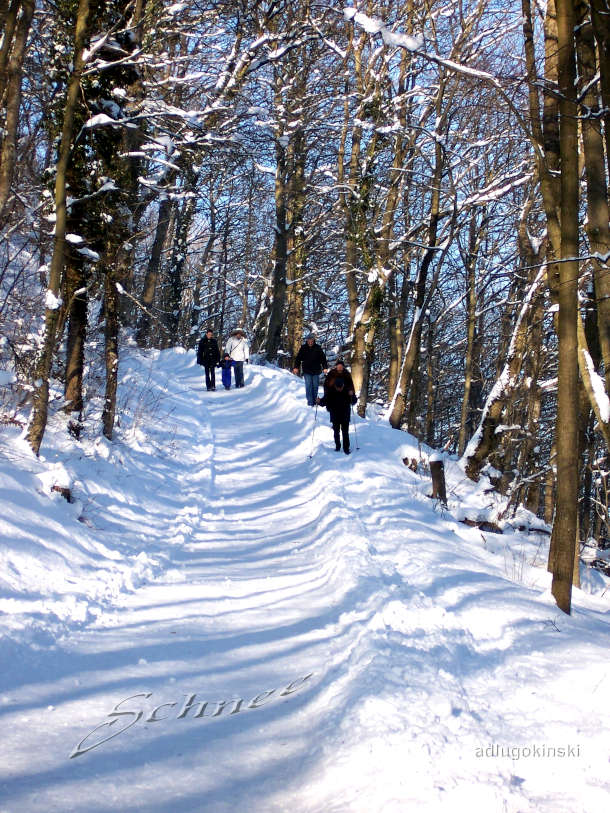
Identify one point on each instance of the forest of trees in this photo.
(422, 183)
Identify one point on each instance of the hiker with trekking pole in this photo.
(339, 397)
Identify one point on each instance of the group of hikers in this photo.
(237, 352)
(339, 392)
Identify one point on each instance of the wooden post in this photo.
(437, 470)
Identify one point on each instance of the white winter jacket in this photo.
(238, 348)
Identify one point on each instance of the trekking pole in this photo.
(315, 420)
(355, 430)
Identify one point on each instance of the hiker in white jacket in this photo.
(239, 350)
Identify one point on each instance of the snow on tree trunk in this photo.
(38, 420)
(485, 437)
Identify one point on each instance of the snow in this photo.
(218, 622)
(89, 253)
(99, 120)
(401, 40)
(263, 168)
(372, 25)
(359, 313)
(599, 389)
(7, 377)
(51, 301)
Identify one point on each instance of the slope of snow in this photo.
(220, 622)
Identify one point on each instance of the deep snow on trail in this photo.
(221, 623)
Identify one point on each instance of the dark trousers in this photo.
(210, 377)
(238, 366)
(343, 428)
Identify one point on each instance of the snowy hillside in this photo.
(219, 622)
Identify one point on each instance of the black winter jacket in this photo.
(208, 353)
(338, 403)
(312, 358)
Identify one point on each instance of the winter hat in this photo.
(310, 336)
(339, 383)
(339, 362)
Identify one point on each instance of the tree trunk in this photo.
(364, 328)
(549, 487)
(474, 238)
(587, 489)
(14, 76)
(280, 252)
(545, 127)
(597, 226)
(296, 259)
(600, 15)
(8, 22)
(363, 342)
(348, 181)
(528, 461)
(76, 296)
(563, 540)
(38, 421)
(395, 338)
(485, 438)
(111, 350)
(597, 399)
(176, 281)
(411, 354)
(222, 283)
(152, 270)
(202, 271)
(432, 377)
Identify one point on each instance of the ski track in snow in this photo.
(271, 567)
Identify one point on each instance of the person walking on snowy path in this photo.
(226, 365)
(338, 400)
(312, 358)
(339, 371)
(239, 350)
(208, 355)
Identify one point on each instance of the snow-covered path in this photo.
(356, 650)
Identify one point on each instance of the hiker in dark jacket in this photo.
(339, 371)
(338, 400)
(312, 358)
(208, 355)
